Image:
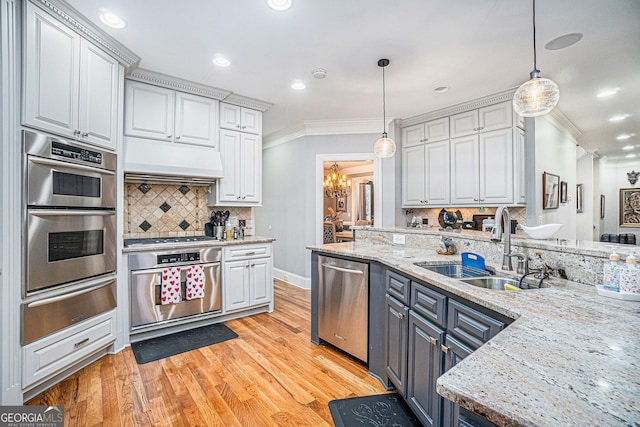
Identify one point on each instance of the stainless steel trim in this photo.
(51, 162)
(344, 270)
(49, 315)
(160, 270)
(167, 179)
(66, 212)
(343, 305)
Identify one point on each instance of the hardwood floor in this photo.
(271, 375)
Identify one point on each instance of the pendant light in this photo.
(384, 147)
(537, 96)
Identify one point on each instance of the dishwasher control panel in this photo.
(179, 257)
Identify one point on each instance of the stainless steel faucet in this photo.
(502, 213)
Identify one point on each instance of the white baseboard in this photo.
(292, 279)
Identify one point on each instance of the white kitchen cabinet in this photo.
(242, 164)
(519, 165)
(154, 112)
(485, 119)
(482, 169)
(426, 175)
(70, 85)
(241, 119)
(431, 131)
(247, 277)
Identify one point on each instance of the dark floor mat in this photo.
(378, 410)
(170, 345)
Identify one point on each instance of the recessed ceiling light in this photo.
(111, 19)
(627, 147)
(280, 5)
(298, 85)
(221, 61)
(618, 118)
(608, 92)
(624, 136)
(630, 156)
(441, 89)
(563, 41)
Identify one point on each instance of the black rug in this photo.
(378, 410)
(170, 345)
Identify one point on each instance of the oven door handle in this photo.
(59, 212)
(161, 269)
(48, 162)
(70, 295)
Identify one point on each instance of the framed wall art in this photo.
(601, 206)
(630, 207)
(579, 208)
(563, 191)
(550, 191)
(341, 204)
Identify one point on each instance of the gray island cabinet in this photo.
(416, 333)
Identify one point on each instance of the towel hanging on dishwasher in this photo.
(170, 286)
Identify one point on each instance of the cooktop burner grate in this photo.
(167, 240)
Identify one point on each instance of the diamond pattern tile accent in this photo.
(165, 207)
(144, 188)
(184, 225)
(145, 225)
(184, 189)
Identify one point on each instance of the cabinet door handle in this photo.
(81, 343)
(244, 197)
(400, 316)
(85, 134)
(475, 199)
(433, 341)
(238, 198)
(178, 137)
(444, 349)
(76, 132)
(238, 126)
(253, 265)
(244, 127)
(168, 136)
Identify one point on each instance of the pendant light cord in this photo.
(535, 67)
(384, 105)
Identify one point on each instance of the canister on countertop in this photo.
(611, 273)
(630, 276)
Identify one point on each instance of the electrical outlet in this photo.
(398, 239)
(285, 277)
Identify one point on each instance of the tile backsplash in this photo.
(168, 210)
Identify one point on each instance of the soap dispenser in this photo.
(611, 273)
(630, 275)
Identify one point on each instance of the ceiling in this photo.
(475, 47)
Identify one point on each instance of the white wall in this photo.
(586, 166)
(556, 154)
(613, 177)
(288, 211)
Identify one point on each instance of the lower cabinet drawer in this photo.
(53, 354)
(246, 251)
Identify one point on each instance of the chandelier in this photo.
(336, 184)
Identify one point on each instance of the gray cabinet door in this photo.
(425, 364)
(396, 341)
(454, 351)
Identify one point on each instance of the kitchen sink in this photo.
(496, 283)
(455, 271)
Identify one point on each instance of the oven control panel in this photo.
(176, 258)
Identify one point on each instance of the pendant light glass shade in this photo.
(537, 96)
(384, 147)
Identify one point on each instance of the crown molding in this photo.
(170, 82)
(322, 127)
(561, 121)
(505, 95)
(244, 101)
(65, 13)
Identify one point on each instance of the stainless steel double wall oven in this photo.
(70, 247)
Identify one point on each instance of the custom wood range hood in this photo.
(146, 160)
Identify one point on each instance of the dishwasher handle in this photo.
(342, 269)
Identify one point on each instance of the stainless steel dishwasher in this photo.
(343, 305)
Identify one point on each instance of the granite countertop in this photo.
(571, 357)
(247, 240)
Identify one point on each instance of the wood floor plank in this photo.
(271, 375)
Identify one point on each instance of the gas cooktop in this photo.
(166, 241)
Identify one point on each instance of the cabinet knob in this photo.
(253, 265)
(238, 126)
(475, 199)
(178, 137)
(244, 127)
(433, 341)
(168, 136)
(76, 132)
(444, 349)
(238, 198)
(244, 197)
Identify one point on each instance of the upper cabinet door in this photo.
(251, 169)
(228, 188)
(99, 83)
(229, 116)
(436, 130)
(196, 120)
(464, 170)
(51, 74)
(148, 111)
(250, 121)
(464, 124)
(493, 117)
(414, 169)
(413, 135)
(496, 167)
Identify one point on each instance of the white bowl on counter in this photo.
(539, 232)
